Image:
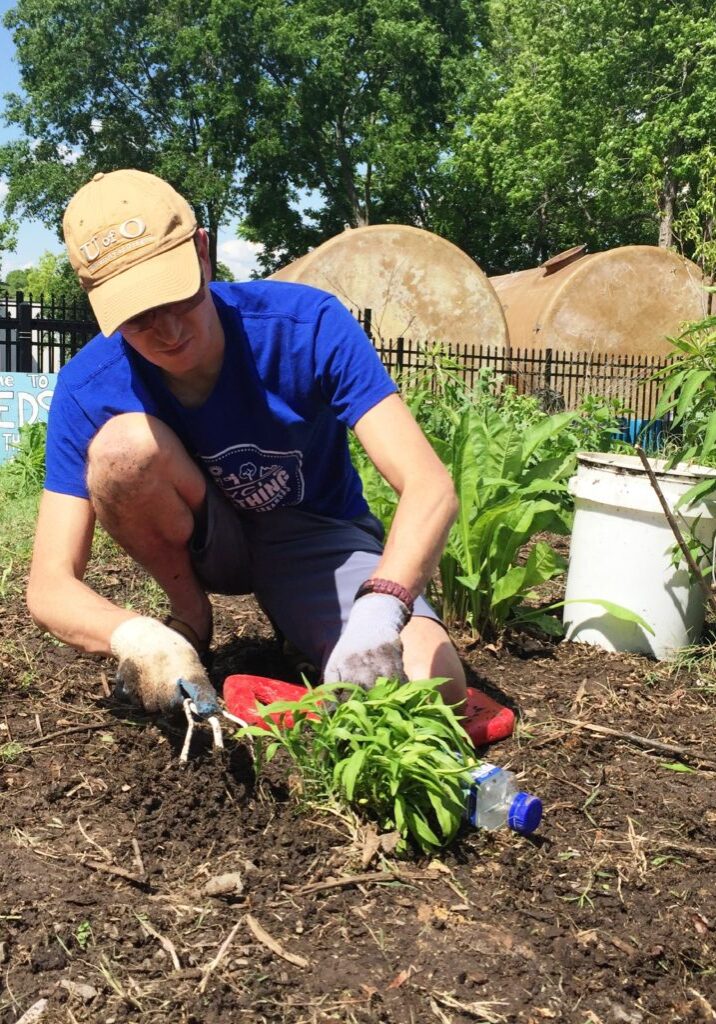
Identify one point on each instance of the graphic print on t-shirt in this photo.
(257, 479)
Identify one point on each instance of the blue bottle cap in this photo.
(525, 813)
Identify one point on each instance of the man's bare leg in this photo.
(146, 490)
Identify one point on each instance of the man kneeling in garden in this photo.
(206, 429)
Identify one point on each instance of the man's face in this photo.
(180, 337)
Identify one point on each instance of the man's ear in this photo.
(201, 241)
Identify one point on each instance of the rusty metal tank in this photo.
(416, 284)
(623, 301)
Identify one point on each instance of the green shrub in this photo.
(689, 395)
(395, 754)
(507, 495)
(23, 475)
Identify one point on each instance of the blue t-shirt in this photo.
(298, 370)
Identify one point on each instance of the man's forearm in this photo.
(75, 614)
(418, 535)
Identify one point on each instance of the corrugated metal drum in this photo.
(626, 301)
(416, 284)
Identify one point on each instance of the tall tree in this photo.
(163, 87)
(7, 237)
(663, 132)
(591, 129)
(16, 281)
(355, 101)
(54, 279)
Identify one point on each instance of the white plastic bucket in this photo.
(622, 551)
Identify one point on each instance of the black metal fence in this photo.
(39, 337)
(558, 379)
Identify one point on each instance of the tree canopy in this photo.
(354, 107)
(51, 279)
(512, 127)
(162, 87)
(597, 120)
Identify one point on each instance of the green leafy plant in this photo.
(83, 935)
(9, 752)
(396, 754)
(510, 462)
(436, 393)
(507, 494)
(689, 394)
(595, 428)
(24, 473)
(689, 398)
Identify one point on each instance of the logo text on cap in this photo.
(130, 229)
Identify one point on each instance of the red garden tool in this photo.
(485, 720)
(245, 696)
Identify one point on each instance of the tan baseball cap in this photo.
(130, 237)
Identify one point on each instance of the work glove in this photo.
(158, 668)
(370, 645)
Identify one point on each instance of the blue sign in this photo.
(24, 398)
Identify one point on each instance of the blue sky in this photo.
(32, 238)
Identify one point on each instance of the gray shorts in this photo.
(303, 568)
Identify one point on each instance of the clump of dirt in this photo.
(605, 916)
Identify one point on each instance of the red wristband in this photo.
(378, 586)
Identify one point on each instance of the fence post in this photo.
(547, 367)
(24, 334)
(368, 322)
(400, 352)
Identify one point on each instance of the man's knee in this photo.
(134, 452)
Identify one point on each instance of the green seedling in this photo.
(10, 752)
(396, 754)
(83, 935)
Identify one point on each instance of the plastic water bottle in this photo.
(493, 800)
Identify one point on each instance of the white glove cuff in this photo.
(139, 636)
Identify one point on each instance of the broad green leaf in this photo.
(498, 448)
(550, 470)
(617, 610)
(445, 819)
(703, 489)
(668, 398)
(509, 585)
(692, 385)
(709, 435)
(352, 771)
(482, 530)
(537, 434)
(547, 623)
(420, 830)
(399, 813)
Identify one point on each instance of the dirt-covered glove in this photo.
(370, 645)
(158, 668)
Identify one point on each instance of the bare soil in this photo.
(606, 916)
